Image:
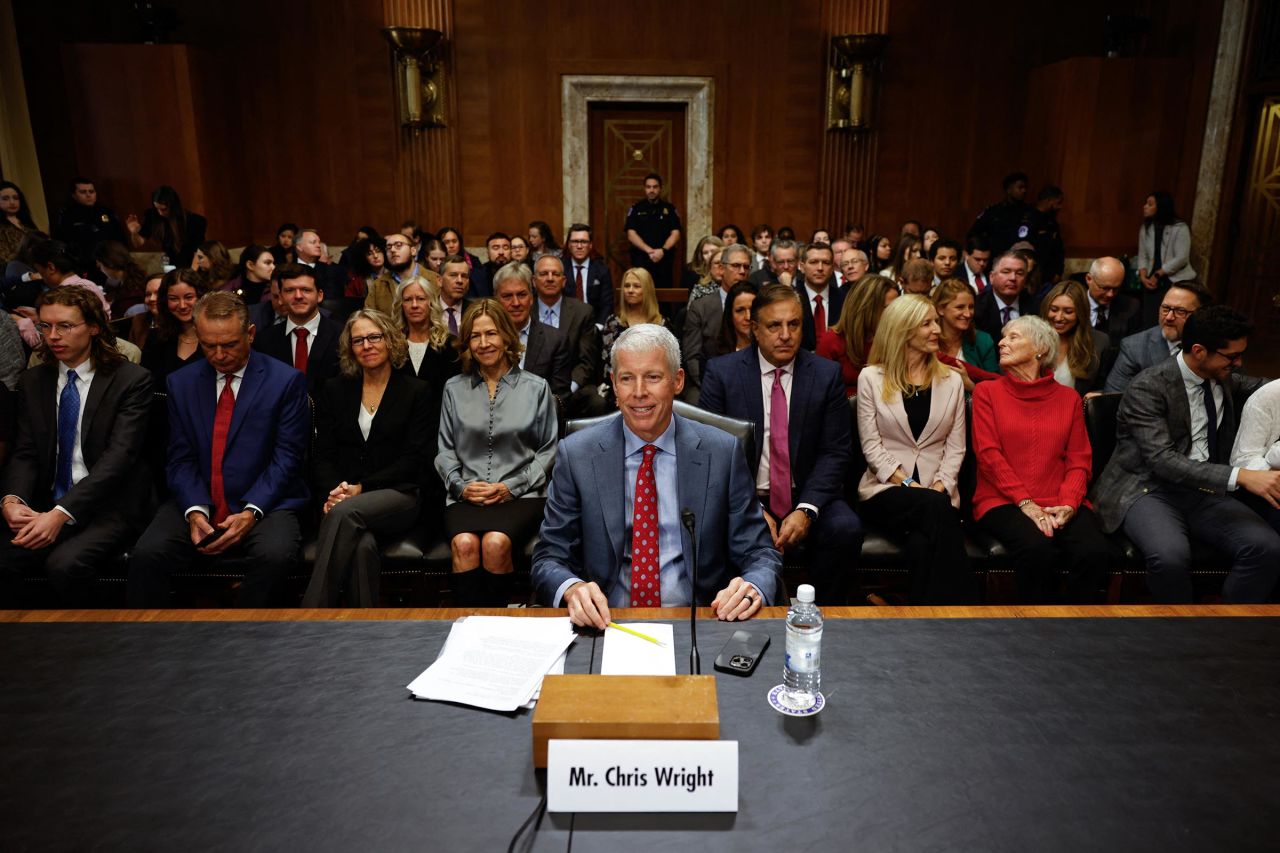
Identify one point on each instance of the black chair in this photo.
(744, 431)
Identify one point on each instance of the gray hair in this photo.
(645, 337)
(544, 257)
(783, 245)
(1041, 335)
(735, 249)
(515, 269)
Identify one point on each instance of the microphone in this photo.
(691, 524)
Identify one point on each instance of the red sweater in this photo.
(1030, 441)
(831, 345)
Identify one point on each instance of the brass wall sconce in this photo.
(419, 75)
(853, 70)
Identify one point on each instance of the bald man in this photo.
(1111, 311)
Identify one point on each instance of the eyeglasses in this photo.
(63, 328)
(392, 244)
(1180, 313)
(1233, 357)
(371, 340)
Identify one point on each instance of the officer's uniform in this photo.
(82, 229)
(1003, 224)
(654, 221)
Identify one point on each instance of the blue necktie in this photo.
(68, 415)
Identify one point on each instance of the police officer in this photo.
(1004, 223)
(84, 223)
(653, 228)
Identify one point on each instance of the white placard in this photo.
(642, 776)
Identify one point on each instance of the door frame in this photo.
(698, 96)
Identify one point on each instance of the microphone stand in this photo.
(690, 524)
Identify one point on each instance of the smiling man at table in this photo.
(610, 541)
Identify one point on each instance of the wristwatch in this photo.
(908, 482)
(257, 513)
(809, 512)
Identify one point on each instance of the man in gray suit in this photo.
(1154, 346)
(1167, 482)
(546, 350)
(702, 323)
(576, 320)
(599, 548)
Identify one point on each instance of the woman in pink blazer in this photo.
(911, 425)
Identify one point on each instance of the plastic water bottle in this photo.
(802, 669)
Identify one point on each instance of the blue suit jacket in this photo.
(264, 460)
(584, 527)
(819, 429)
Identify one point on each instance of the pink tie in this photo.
(779, 451)
(646, 587)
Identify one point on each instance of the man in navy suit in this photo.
(239, 424)
(610, 541)
(307, 340)
(588, 278)
(780, 387)
(1006, 299)
(818, 296)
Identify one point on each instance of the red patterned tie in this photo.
(779, 451)
(819, 317)
(300, 349)
(221, 426)
(577, 283)
(646, 587)
(982, 285)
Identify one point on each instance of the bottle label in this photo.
(804, 653)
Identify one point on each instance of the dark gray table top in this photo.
(971, 734)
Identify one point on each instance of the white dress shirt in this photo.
(84, 378)
(1258, 439)
(1194, 387)
(810, 293)
(766, 396)
(312, 326)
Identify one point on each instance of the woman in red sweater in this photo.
(1034, 462)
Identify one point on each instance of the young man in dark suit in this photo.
(307, 340)
(803, 433)
(819, 298)
(73, 492)
(588, 278)
(239, 425)
(1168, 481)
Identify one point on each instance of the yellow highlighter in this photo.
(635, 633)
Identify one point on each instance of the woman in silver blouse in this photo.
(497, 443)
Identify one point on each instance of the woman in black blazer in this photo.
(373, 448)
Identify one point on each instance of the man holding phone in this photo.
(239, 423)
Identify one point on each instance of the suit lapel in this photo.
(250, 386)
(532, 349)
(607, 465)
(208, 386)
(693, 475)
(939, 402)
(752, 391)
(1179, 406)
(801, 392)
(46, 425)
(101, 382)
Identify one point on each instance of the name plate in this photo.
(642, 776)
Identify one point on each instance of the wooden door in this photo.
(627, 142)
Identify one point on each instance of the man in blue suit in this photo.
(239, 424)
(610, 541)
(787, 391)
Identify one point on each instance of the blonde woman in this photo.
(912, 429)
(639, 305)
(1080, 346)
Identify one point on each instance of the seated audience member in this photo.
(912, 430)
(283, 251)
(849, 342)
(453, 287)
(433, 254)
(1155, 345)
(175, 343)
(820, 299)
(13, 354)
(372, 450)
(498, 247)
(797, 403)
(73, 493)
(1167, 482)
(1034, 464)
(519, 251)
(633, 551)
(168, 228)
(588, 278)
(1007, 298)
(838, 248)
(272, 310)
(576, 320)
(84, 223)
(735, 325)
(1111, 311)
(916, 276)
(1035, 286)
(257, 268)
(731, 235)
(365, 260)
(542, 241)
(880, 252)
(908, 249)
(784, 257)
(478, 282)
(123, 278)
(21, 283)
(973, 268)
(307, 340)
(960, 340)
(853, 266)
(330, 278)
(1080, 346)
(708, 280)
(702, 323)
(944, 256)
(432, 349)
(363, 233)
(912, 227)
(212, 261)
(400, 265)
(761, 240)
(928, 238)
(497, 442)
(143, 323)
(639, 306)
(1257, 446)
(241, 473)
(56, 268)
(545, 349)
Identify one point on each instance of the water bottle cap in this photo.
(804, 593)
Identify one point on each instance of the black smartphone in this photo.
(212, 537)
(741, 654)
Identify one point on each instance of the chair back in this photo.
(744, 431)
(1100, 422)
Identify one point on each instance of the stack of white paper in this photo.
(495, 662)
(627, 654)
